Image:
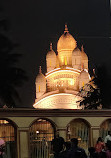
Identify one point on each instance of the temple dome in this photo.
(51, 53)
(51, 59)
(76, 58)
(83, 54)
(66, 41)
(76, 52)
(84, 59)
(40, 84)
(40, 78)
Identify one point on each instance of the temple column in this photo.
(94, 134)
(23, 146)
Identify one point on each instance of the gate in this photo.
(8, 134)
(79, 129)
(41, 135)
(104, 128)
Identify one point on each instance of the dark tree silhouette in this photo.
(97, 92)
(103, 81)
(91, 98)
(11, 76)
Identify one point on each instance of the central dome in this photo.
(66, 41)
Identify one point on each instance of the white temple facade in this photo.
(67, 72)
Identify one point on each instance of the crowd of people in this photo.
(62, 149)
(70, 149)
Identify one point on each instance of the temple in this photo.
(67, 72)
(28, 132)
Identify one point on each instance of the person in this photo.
(108, 149)
(2, 147)
(75, 151)
(99, 147)
(58, 146)
(92, 152)
(64, 153)
(108, 137)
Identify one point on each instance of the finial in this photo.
(82, 48)
(40, 70)
(66, 28)
(94, 72)
(50, 46)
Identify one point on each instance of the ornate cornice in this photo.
(26, 112)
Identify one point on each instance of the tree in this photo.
(11, 76)
(103, 82)
(97, 91)
(91, 98)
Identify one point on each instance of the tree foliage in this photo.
(96, 93)
(11, 76)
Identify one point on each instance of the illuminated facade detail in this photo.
(66, 73)
(40, 84)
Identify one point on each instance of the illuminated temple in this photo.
(67, 72)
(28, 132)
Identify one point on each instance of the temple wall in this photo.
(60, 118)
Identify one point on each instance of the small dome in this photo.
(40, 84)
(51, 59)
(40, 77)
(83, 54)
(66, 41)
(76, 52)
(51, 53)
(76, 58)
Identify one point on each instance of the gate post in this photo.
(94, 134)
(23, 142)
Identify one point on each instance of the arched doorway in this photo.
(8, 132)
(42, 132)
(104, 128)
(80, 129)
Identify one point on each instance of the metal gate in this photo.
(79, 129)
(104, 128)
(41, 135)
(8, 134)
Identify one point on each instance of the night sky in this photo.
(34, 24)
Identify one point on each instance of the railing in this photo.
(40, 149)
(41, 135)
(7, 133)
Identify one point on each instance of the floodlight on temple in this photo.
(67, 72)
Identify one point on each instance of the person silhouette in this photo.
(76, 152)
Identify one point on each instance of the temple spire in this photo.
(50, 46)
(40, 70)
(66, 28)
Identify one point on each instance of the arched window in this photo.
(8, 134)
(42, 132)
(79, 128)
(104, 128)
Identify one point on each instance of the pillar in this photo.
(23, 136)
(94, 134)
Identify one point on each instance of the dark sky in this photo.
(34, 24)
